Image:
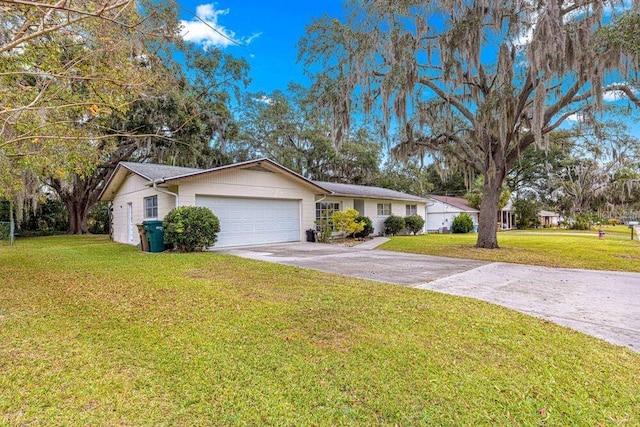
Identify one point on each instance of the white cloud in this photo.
(613, 96)
(575, 117)
(206, 30)
(616, 95)
(265, 100)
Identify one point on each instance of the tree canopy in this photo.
(474, 83)
(65, 66)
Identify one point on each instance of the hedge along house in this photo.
(256, 202)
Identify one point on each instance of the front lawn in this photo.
(97, 333)
(550, 248)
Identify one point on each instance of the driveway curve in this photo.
(603, 304)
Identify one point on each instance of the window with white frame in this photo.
(324, 210)
(412, 210)
(384, 209)
(151, 207)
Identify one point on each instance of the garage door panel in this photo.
(254, 221)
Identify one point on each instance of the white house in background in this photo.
(548, 218)
(507, 217)
(256, 202)
(441, 210)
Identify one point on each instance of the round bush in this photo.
(462, 223)
(393, 225)
(368, 227)
(190, 228)
(414, 223)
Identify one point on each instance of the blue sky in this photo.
(268, 30)
(266, 33)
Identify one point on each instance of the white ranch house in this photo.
(256, 202)
(441, 210)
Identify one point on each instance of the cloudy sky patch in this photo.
(205, 29)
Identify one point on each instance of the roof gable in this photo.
(456, 202)
(153, 171)
(262, 165)
(160, 174)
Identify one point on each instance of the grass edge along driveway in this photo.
(570, 249)
(93, 332)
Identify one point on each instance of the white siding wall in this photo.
(441, 215)
(398, 208)
(252, 184)
(134, 190)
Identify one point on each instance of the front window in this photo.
(412, 210)
(151, 207)
(324, 210)
(384, 209)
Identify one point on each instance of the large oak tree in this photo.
(66, 67)
(474, 82)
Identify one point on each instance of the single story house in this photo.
(548, 218)
(441, 210)
(256, 201)
(507, 217)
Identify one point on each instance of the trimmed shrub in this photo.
(191, 228)
(393, 225)
(463, 223)
(345, 221)
(368, 227)
(414, 223)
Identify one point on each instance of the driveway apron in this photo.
(600, 303)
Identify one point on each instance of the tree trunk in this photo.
(78, 195)
(78, 210)
(487, 222)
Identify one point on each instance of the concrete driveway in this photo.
(600, 303)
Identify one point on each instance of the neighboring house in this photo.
(441, 210)
(549, 219)
(256, 202)
(507, 217)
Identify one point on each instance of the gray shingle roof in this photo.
(363, 191)
(153, 171)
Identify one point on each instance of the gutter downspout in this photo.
(160, 181)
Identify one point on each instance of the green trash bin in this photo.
(155, 234)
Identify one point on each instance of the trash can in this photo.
(155, 235)
(144, 241)
(311, 235)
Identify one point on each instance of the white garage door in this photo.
(254, 221)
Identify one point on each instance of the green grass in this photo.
(97, 333)
(550, 248)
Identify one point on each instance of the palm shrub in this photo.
(393, 225)
(463, 223)
(414, 223)
(368, 227)
(191, 228)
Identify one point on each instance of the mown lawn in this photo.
(97, 333)
(550, 248)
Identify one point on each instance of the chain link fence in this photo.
(7, 233)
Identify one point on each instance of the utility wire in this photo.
(188, 11)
